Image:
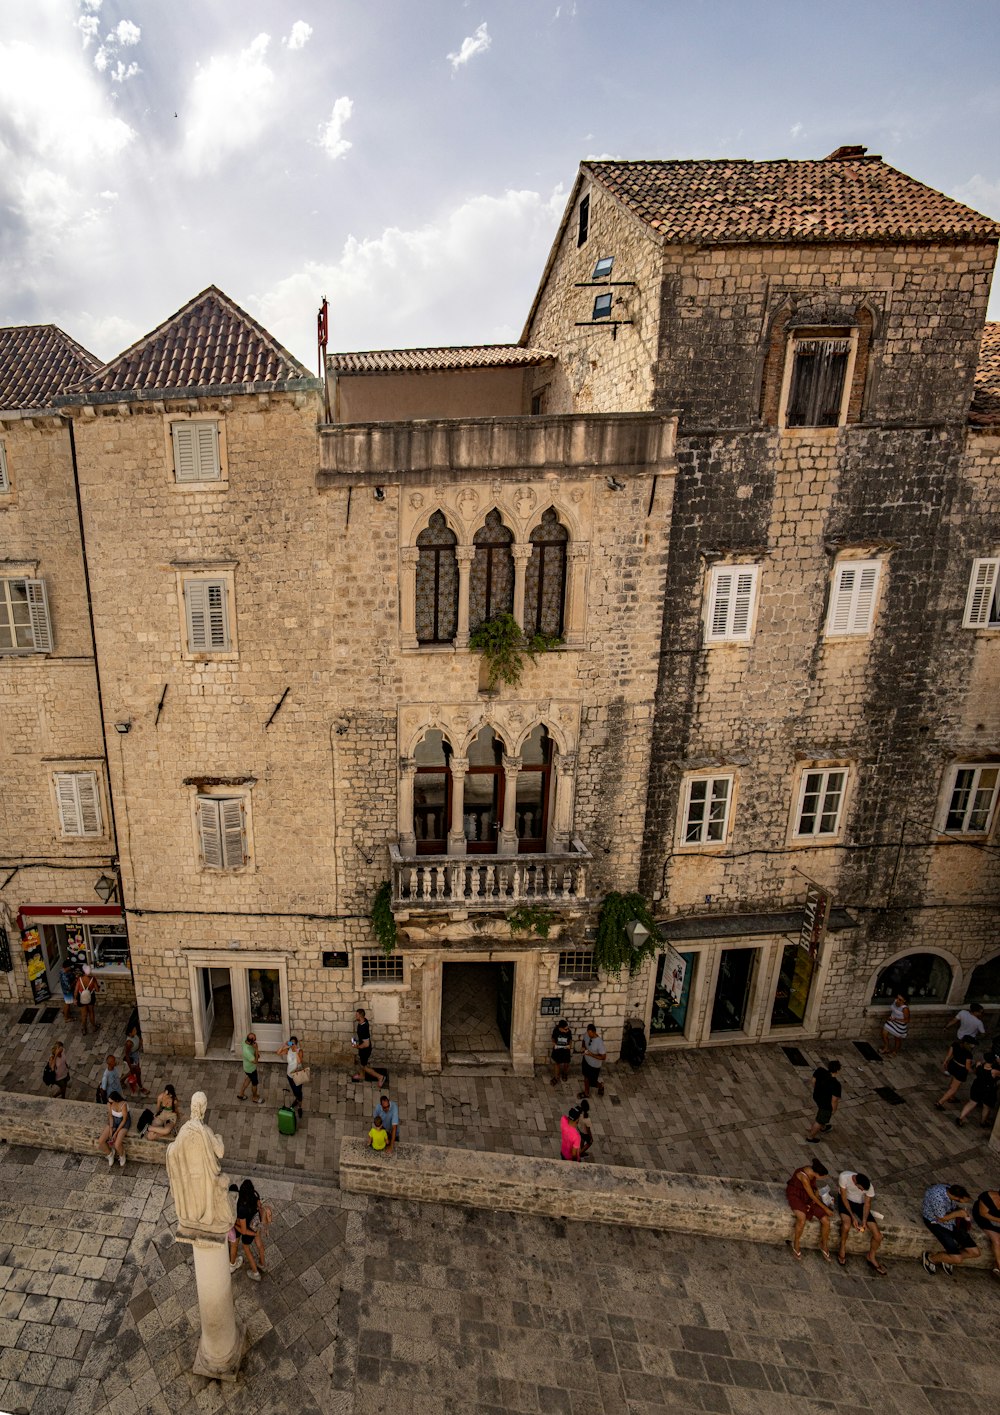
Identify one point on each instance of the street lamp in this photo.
(637, 933)
(106, 888)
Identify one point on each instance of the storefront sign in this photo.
(551, 1006)
(67, 911)
(814, 919)
(31, 942)
(673, 973)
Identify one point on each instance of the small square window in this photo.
(206, 607)
(818, 381)
(79, 801)
(381, 968)
(583, 230)
(577, 964)
(196, 450)
(602, 306)
(222, 831)
(732, 598)
(852, 599)
(821, 800)
(706, 809)
(972, 800)
(602, 269)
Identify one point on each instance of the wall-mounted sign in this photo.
(814, 919)
(31, 942)
(674, 973)
(335, 960)
(551, 1006)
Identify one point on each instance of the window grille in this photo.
(577, 964)
(381, 968)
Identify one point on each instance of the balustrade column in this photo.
(561, 827)
(507, 844)
(404, 807)
(409, 556)
(456, 836)
(574, 615)
(464, 556)
(521, 554)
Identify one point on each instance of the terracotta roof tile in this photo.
(427, 360)
(208, 344)
(986, 398)
(37, 363)
(852, 198)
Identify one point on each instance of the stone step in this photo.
(468, 1059)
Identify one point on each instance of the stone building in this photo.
(57, 836)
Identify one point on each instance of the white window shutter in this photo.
(233, 846)
(207, 441)
(69, 809)
(196, 451)
(840, 603)
(89, 802)
(210, 829)
(38, 610)
(718, 614)
(864, 600)
(218, 627)
(196, 604)
(852, 599)
(185, 458)
(743, 603)
(731, 600)
(982, 588)
(4, 478)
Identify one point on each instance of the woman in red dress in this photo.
(805, 1203)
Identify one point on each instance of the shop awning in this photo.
(788, 921)
(68, 911)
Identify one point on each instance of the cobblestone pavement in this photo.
(731, 1110)
(374, 1307)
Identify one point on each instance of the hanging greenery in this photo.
(504, 645)
(531, 918)
(613, 949)
(383, 920)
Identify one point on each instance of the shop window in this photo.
(982, 604)
(25, 626)
(437, 583)
(852, 598)
(672, 994)
(196, 450)
(533, 783)
(706, 809)
(380, 968)
(432, 794)
(79, 800)
(972, 800)
(821, 800)
(732, 597)
(222, 832)
(577, 965)
(984, 984)
(583, 224)
(206, 612)
(791, 996)
(545, 578)
(920, 977)
(484, 787)
(491, 587)
(818, 380)
(4, 478)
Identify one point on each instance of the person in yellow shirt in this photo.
(377, 1138)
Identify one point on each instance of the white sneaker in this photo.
(235, 1267)
(259, 1100)
(254, 1277)
(121, 1161)
(111, 1159)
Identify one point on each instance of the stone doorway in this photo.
(476, 1009)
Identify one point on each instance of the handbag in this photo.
(301, 1075)
(48, 1074)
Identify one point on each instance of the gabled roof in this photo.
(433, 360)
(849, 197)
(986, 397)
(209, 346)
(37, 363)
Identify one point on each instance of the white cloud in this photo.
(467, 277)
(299, 35)
(228, 106)
(127, 33)
(331, 138)
(121, 72)
(796, 130)
(472, 45)
(88, 25)
(981, 194)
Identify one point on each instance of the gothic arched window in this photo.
(545, 582)
(531, 816)
(437, 583)
(491, 590)
(484, 783)
(432, 793)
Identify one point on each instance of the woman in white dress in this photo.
(896, 1026)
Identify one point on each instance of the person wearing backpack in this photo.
(85, 992)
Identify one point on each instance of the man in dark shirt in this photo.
(362, 1044)
(826, 1094)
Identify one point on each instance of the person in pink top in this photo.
(569, 1147)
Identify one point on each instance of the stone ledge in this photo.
(707, 1205)
(72, 1126)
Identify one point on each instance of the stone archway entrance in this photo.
(476, 1007)
(474, 1000)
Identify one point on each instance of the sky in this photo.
(411, 159)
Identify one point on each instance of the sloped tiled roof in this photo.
(210, 344)
(986, 398)
(428, 360)
(851, 198)
(37, 363)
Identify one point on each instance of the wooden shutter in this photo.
(89, 801)
(718, 611)
(982, 588)
(730, 609)
(196, 451)
(4, 479)
(69, 807)
(233, 844)
(207, 615)
(38, 610)
(210, 829)
(218, 626)
(743, 603)
(852, 600)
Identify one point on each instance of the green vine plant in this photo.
(613, 949)
(383, 920)
(531, 918)
(504, 645)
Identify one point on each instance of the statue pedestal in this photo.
(223, 1337)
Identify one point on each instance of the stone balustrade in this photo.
(489, 881)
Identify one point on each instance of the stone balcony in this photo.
(481, 882)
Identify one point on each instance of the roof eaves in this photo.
(82, 394)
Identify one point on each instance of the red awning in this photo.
(67, 911)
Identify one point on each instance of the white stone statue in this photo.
(199, 1188)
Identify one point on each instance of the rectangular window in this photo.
(381, 968)
(196, 450)
(206, 605)
(821, 796)
(816, 390)
(79, 802)
(732, 597)
(4, 478)
(706, 809)
(577, 964)
(222, 831)
(852, 598)
(602, 307)
(583, 230)
(25, 626)
(671, 995)
(982, 605)
(791, 994)
(602, 270)
(973, 798)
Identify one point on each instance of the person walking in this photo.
(896, 1026)
(594, 1054)
(251, 1060)
(292, 1053)
(59, 1068)
(983, 1092)
(969, 1021)
(957, 1065)
(252, 1220)
(362, 1044)
(945, 1211)
(562, 1051)
(804, 1200)
(67, 986)
(131, 1060)
(580, 1115)
(854, 1204)
(112, 1138)
(569, 1136)
(388, 1112)
(85, 991)
(986, 1215)
(167, 1117)
(827, 1092)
